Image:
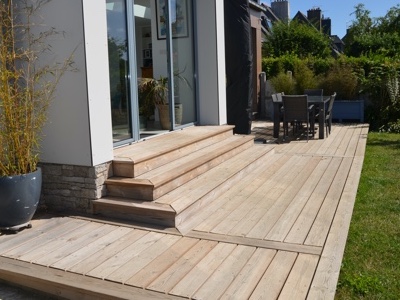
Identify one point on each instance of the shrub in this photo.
(304, 78)
(350, 77)
(342, 80)
(283, 82)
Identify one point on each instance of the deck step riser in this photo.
(148, 192)
(133, 191)
(127, 168)
(135, 214)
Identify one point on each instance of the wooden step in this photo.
(134, 210)
(139, 158)
(158, 182)
(176, 208)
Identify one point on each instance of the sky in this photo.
(339, 11)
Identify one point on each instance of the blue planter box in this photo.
(348, 111)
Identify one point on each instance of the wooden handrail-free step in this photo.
(162, 180)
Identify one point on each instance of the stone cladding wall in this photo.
(72, 188)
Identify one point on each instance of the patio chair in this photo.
(328, 114)
(277, 97)
(297, 110)
(314, 92)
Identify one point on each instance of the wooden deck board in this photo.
(142, 258)
(246, 281)
(104, 254)
(304, 221)
(121, 258)
(230, 201)
(10, 242)
(274, 278)
(269, 219)
(329, 143)
(84, 235)
(49, 241)
(278, 232)
(320, 146)
(353, 142)
(194, 279)
(257, 194)
(300, 277)
(159, 265)
(224, 275)
(289, 217)
(256, 218)
(327, 271)
(322, 223)
(250, 208)
(91, 249)
(168, 279)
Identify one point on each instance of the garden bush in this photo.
(351, 77)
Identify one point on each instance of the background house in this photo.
(280, 11)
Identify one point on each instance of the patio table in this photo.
(319, 103)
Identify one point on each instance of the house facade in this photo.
(97, 108)
(114, 43)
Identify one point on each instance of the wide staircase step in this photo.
(150, 154)
(157, 182)
(135, 210)
(172, 192)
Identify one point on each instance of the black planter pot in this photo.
(19, 198)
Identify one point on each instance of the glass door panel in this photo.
(183, 61)
(151, 64)
(119, 70)
(144, 42)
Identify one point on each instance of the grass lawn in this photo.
(371, 263)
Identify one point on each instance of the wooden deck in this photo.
(279, 233)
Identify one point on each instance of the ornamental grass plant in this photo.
(27, 84)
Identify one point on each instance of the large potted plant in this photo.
(27, 87)
(155, 93)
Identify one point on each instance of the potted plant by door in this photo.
(156, 95)
(26, 90)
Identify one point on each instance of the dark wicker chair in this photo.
(328, 115)
(296, 110)
(277, 97)
(314, 92)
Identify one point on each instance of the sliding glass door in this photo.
(150, 40)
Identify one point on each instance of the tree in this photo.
(368, 36)
(296, 38)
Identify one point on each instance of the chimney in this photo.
(281, 9)
(314, 16)
(326, 26)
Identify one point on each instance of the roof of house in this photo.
(302, 18)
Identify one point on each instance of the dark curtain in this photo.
(239, 64)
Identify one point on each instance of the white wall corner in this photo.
(221, 62)
(98, 86)
(211, 62)
(66, 134)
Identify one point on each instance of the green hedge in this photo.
(373, 79)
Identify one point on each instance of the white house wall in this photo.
(95, 22)
(78, 131)
(211, 62)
